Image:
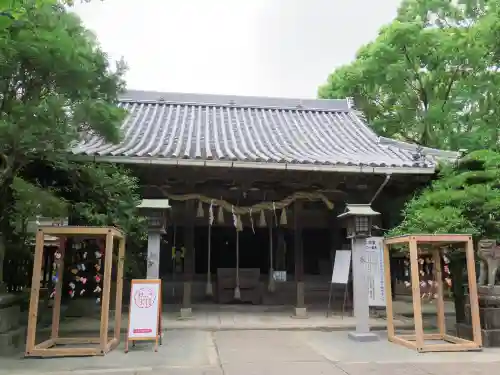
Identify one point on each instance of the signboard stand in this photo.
(145, 309)
(340, 275)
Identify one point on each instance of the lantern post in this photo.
(358, 220)
(156, 212)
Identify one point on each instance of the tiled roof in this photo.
(164, 126)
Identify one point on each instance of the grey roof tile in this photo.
(253, 129)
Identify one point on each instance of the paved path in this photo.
(244, 317)
(191, 352)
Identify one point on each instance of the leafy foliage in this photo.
(465, 199)
(431, 76)
(55, 85)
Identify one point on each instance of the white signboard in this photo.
(374, 268)
(341, 267)
(144, 310)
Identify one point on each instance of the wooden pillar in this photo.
(189, 213)
(300, 309)
(106, 292)
(35, 292)
(119, 289)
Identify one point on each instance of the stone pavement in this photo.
(243, 317)
(192, 352)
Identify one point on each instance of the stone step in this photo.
(489, 317)
(12, 342)
(491, 337)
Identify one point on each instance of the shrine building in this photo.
(255, 186)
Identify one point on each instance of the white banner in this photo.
(144, 310)
(374, 266)
(341, 267)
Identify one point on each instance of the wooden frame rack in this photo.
(87, 346)
(420, 341)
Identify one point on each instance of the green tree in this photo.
(464, 199)
(55, 85)
(12, 11)
(430, 77)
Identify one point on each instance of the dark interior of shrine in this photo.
(253, 249)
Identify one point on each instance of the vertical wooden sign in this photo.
(144, 319)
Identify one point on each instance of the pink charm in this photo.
(83, 280)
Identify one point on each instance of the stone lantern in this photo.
(359, 223)
(156, 212)
(358, 219)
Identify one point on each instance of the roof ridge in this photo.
(208, 104)
(153, 97)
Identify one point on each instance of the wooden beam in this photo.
(35, 292)
(46, 344)
(106, 291)
(403, 342)
(397, 240)
(119, 289)
(415, 287)
(64, 352)
(388, 292)
(71, 230)
(473, 295)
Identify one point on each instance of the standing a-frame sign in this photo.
(144, 320)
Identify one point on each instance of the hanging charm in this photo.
(220, 215)
(262, 219)
(211, 213)
(235, 218)
(199, 212)
(283, 220)
(209, 290)
(274, 213)
(251, 221)
(239, 223)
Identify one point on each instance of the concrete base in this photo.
(363, 337)
(300, 313)
(186, 313)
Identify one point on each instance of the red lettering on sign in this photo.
(144, 298)
(143, 330)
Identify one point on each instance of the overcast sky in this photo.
(283, 48)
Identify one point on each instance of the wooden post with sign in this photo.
(145, 309)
